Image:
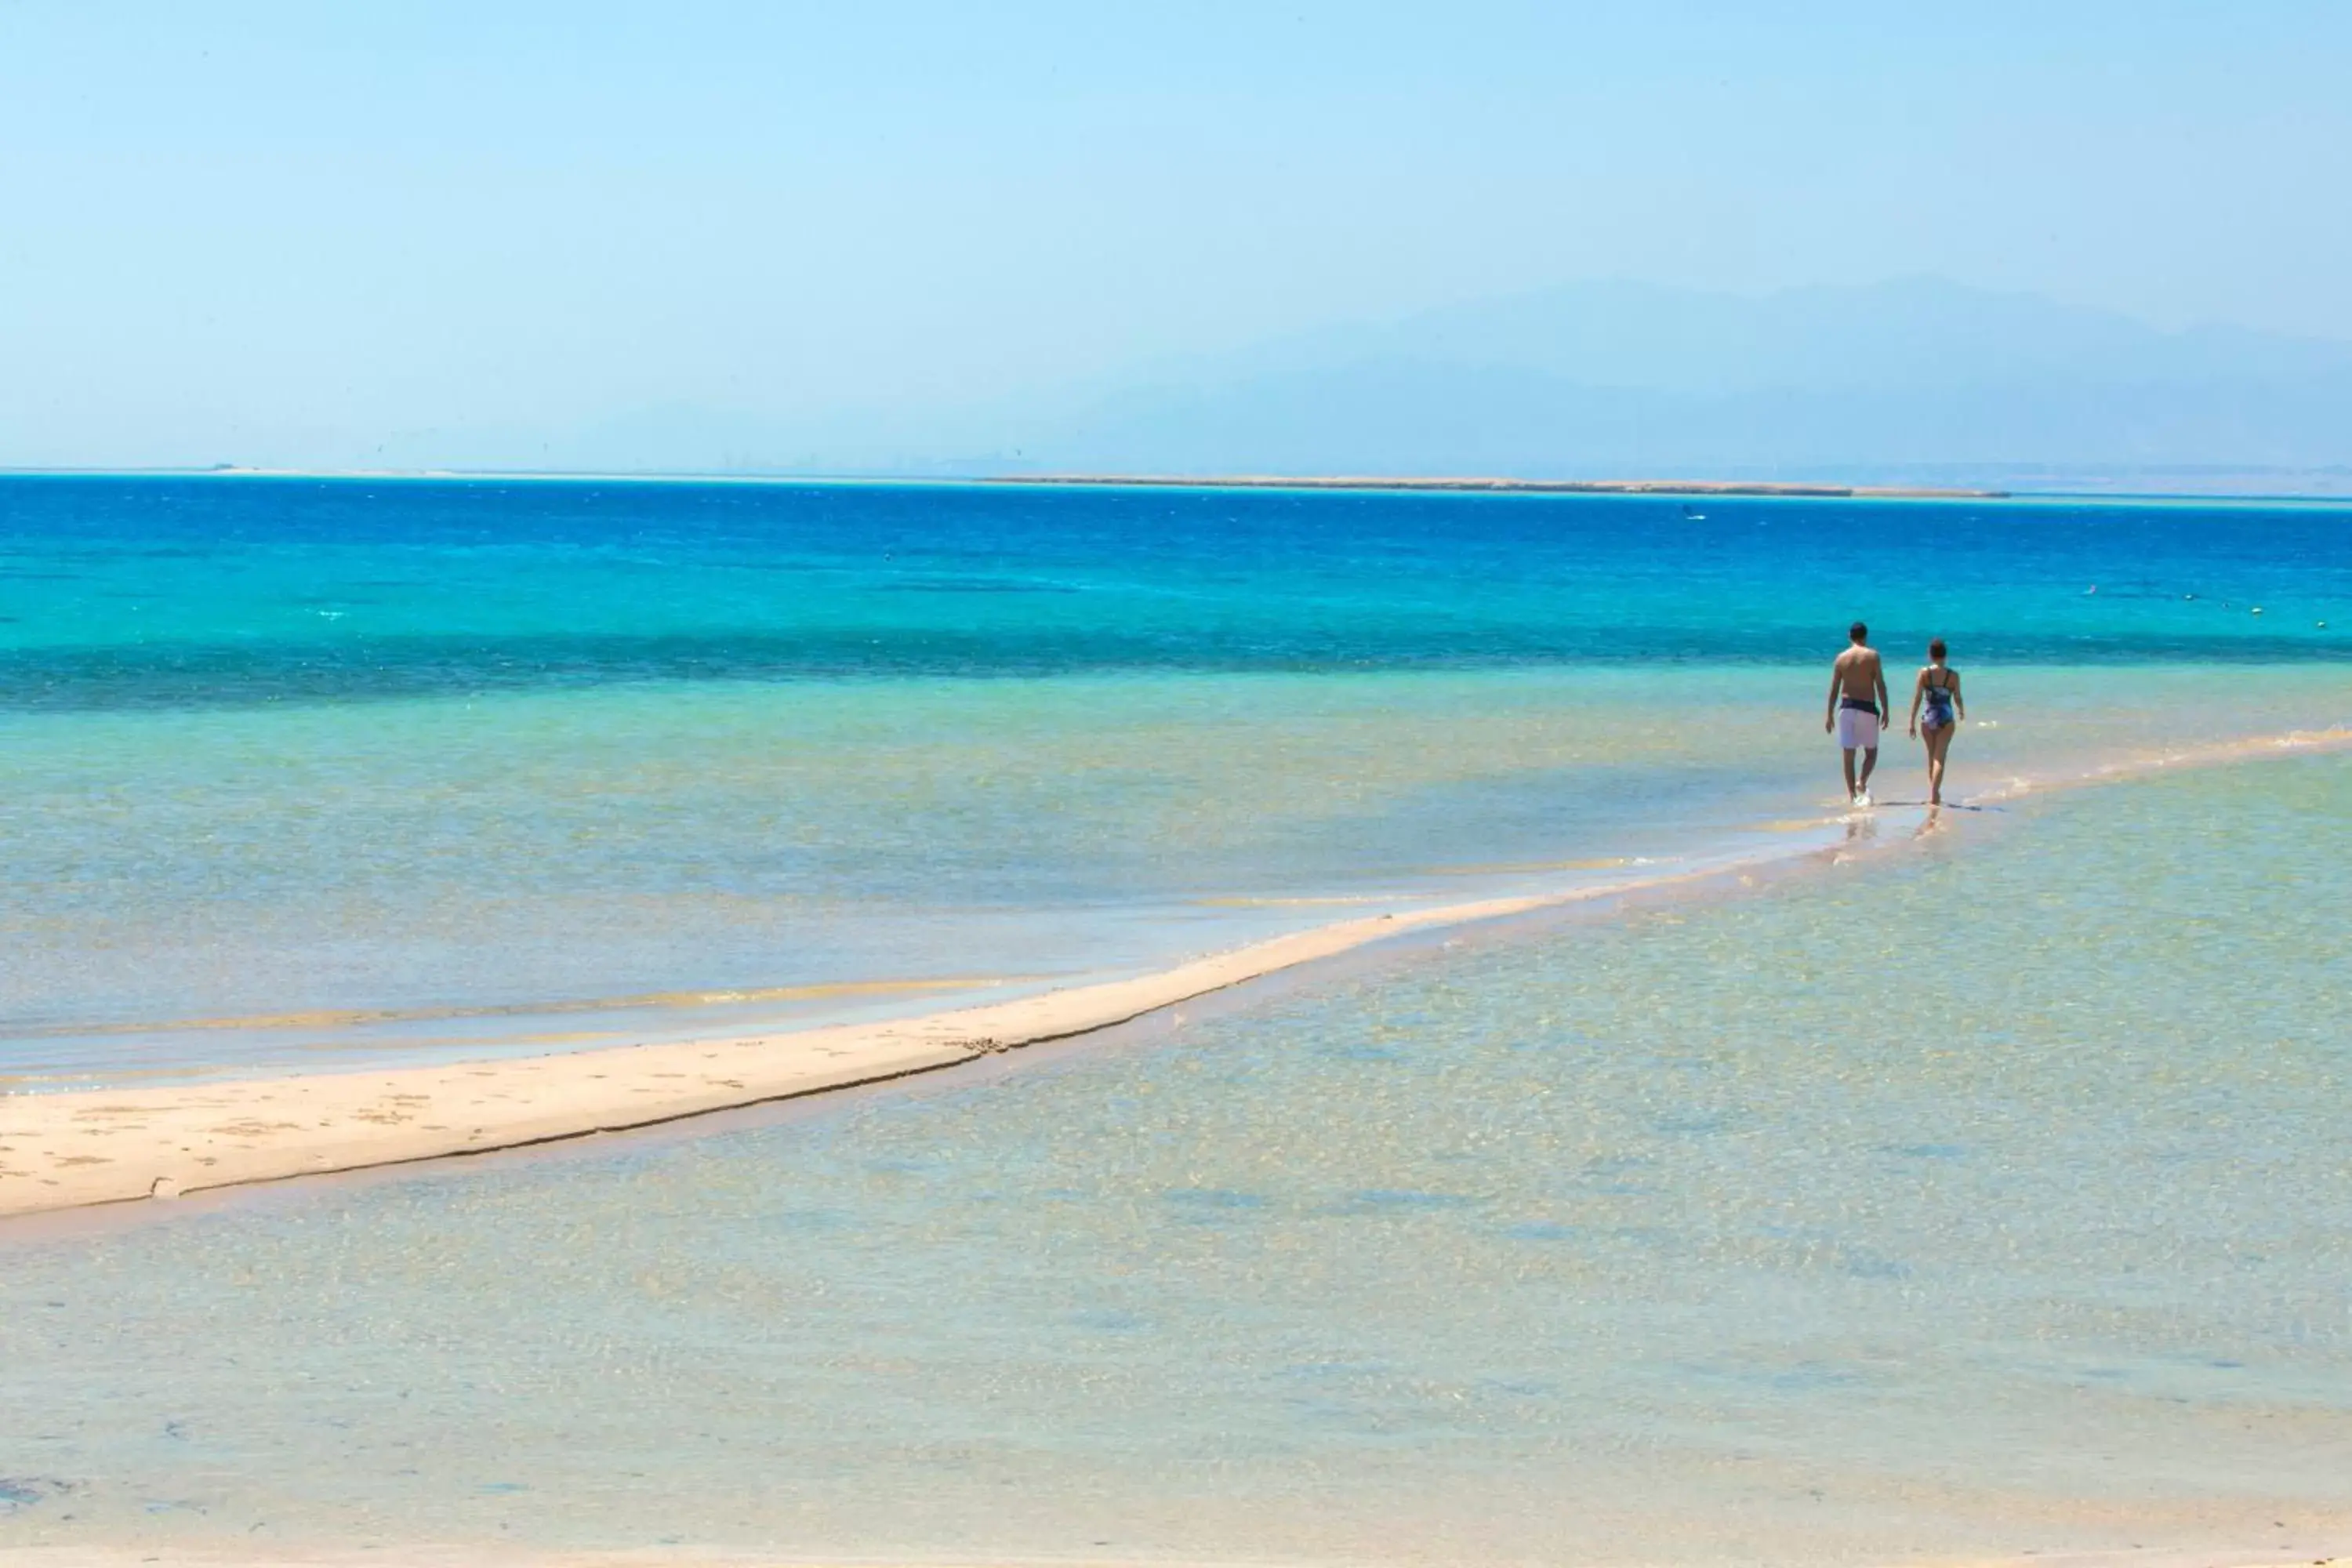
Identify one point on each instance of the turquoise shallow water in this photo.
(301, 774)
(1983, 1195)
(226, 888)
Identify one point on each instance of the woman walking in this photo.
(1938, 689)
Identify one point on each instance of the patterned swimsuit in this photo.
(1939, 705)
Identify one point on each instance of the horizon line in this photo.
(2085, 486)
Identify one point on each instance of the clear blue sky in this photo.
(275, 228)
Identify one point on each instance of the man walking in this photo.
(1858, 705)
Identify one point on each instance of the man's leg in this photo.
(1869, 761)
(1848, 754)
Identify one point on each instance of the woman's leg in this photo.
(1939, 740)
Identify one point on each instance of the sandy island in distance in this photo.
(98, 1146)
(1186, 482)
(1546, 487)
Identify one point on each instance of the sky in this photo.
(293, 231)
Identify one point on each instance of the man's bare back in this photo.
(1858, 707)
(1857, 674)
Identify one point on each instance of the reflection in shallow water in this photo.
(1983, 1198)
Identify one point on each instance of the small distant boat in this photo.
(1692, 514)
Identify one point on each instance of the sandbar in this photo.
(100, 1146)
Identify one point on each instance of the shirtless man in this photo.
(1858, 705)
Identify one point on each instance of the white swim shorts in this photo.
(1857, 727)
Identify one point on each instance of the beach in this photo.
(1202, 1032)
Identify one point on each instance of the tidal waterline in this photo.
(1982, 1199)
(493, 762)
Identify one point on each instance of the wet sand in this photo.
(66, 1151)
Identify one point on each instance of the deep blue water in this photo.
(120, 592)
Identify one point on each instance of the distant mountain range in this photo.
(1916, 378)
(1916, 381)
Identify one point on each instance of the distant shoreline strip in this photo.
(85, 1147)
(1540, 487)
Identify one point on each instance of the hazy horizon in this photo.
(918, 239)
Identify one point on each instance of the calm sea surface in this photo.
(1984, 1196)
(300, 773)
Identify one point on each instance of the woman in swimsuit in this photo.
(1938, 688)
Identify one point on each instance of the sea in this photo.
(1856, 1186)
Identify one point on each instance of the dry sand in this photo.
(65, 1151)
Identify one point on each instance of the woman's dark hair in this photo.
(1936, 648)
